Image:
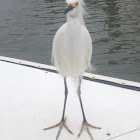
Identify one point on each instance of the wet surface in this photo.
(27, 29)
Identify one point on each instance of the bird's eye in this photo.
(66, 4)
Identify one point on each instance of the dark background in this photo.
(27, 28)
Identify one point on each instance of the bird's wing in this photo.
(58, 44)
(88, 44)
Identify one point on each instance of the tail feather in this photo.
(90, 68)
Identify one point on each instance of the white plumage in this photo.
(72, 44)
(71, 54)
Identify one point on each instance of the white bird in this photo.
(71, 54)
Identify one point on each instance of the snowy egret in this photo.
(71, 54)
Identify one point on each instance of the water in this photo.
(27, 28)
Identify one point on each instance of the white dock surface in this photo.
(32, 99)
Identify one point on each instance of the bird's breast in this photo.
(73, 36)
(73, 59)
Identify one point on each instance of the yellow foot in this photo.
(86, 124)
(60, 124)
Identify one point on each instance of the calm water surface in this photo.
(27, 28)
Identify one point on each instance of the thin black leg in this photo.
(65, 101)
(79, 95)
(85, 123)
(62, 123)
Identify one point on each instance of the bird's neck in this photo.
(73, 31)
(75, 19)
(73, 26)
(71, 20)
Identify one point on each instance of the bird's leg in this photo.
(84, 123)
(63, 120)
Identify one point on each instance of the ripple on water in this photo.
(27, 29)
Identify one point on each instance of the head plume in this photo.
(82, 11)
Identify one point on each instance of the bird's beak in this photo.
(69, 8)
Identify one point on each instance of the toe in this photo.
(93, 126)
(89, 132)
(82, 126)
(68, 128)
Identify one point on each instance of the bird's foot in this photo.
(60, 124)
(86, 124)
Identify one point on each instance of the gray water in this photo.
(27, 28)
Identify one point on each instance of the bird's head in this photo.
(72, 7)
